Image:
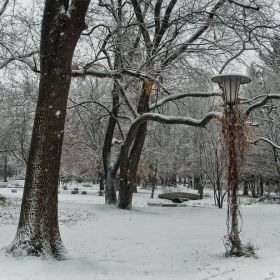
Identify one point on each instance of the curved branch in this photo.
(182, 95)
(261, 103)
(244, 6)
(95, 27)
(125, 147)
(85, 102)
(232, 58)
(176, 120)
(268, 141)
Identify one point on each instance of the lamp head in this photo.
(231, 83)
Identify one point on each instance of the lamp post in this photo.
(230, 84)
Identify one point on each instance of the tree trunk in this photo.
(129, 171)
(275, 156)
(261, 185)
(128, 175)
(110, 188)
(5, 169)
(196, 184)
(111, 170)
(246, 187)
(154, 180)
(38, 231)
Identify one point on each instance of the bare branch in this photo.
(86, 102)
(268, 141)
(142, 25)
(125, 98)
(157, 15)
(4, 7)
(164, 25)
(95, 73)
(195, 36)
(20, 57)
(95, 27)
(182, 95)
(261, 103)
(232, 58)
(244, 6)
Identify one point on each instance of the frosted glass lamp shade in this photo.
(231, 83)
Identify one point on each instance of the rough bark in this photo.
(38, 230)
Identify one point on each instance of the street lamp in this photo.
(230, 84)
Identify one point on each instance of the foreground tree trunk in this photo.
(38, 230)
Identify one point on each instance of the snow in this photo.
(116, 141)
(145, 243)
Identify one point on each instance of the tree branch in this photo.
(142, 25)
(4, 7)
(162, 119)
(164, 25)
(182, 95)
(268, 141)
(261, 103)
(176, 120)
(20, 57)
(195, 36)
(244, 6)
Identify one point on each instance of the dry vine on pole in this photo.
(234, 135)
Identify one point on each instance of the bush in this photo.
(3, 199)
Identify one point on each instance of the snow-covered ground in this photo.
(145, 243)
